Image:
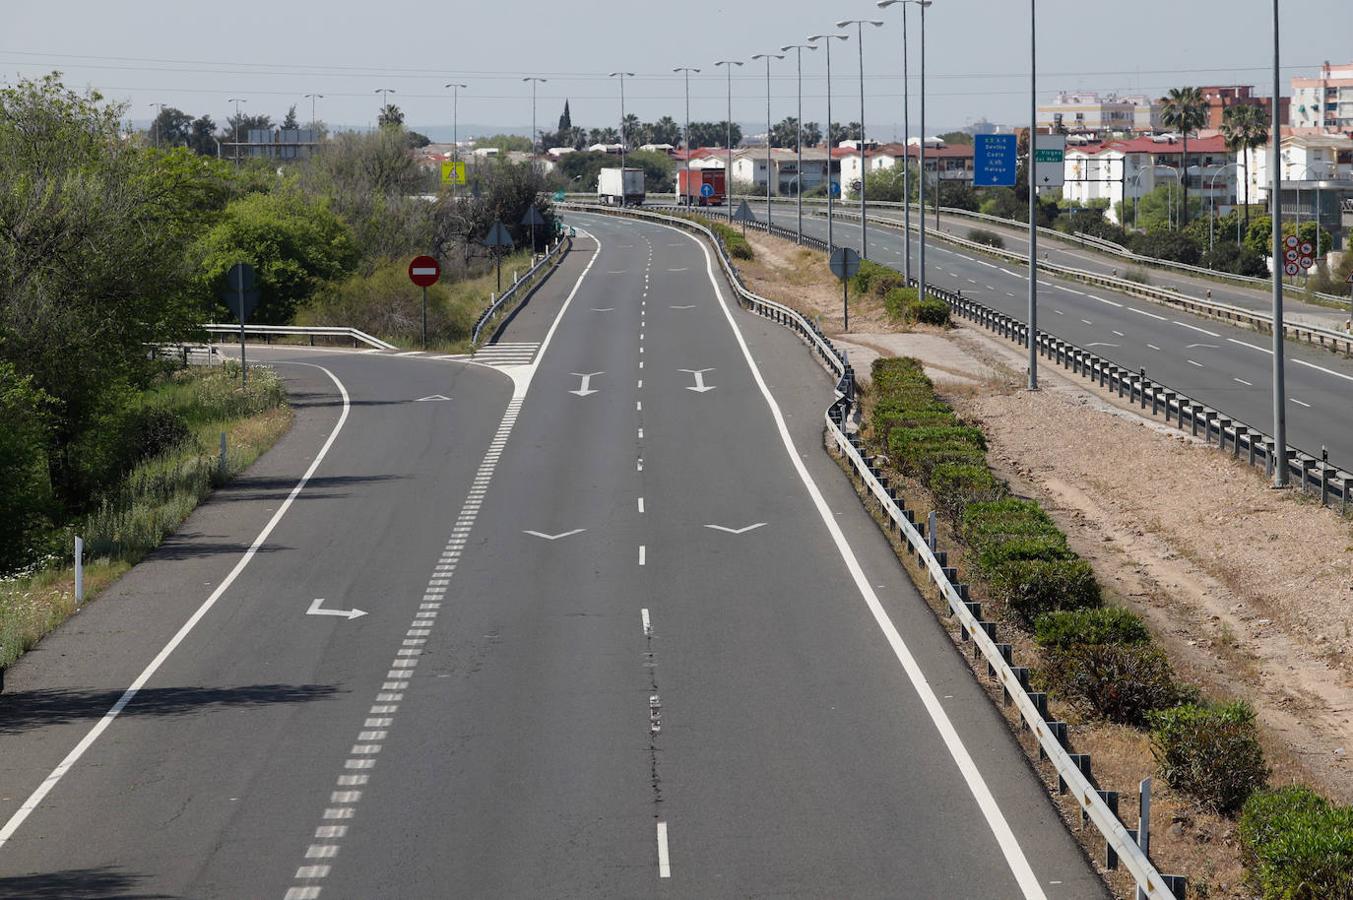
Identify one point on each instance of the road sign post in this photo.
(744, 215)
(845, 263)
(532, 218)
(241, 295)
(994, 160)
(498, 239)
(424, 271)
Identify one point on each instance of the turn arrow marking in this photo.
(687, 306)
(1100, 344)
(432, 397)
(585, 388)
(743, 530)
(315, 610)
(555, 537)
(700, 387)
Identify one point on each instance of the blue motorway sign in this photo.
(835, 188)
(994, 160)
(706, 190)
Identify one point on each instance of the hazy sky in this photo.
(195, 55)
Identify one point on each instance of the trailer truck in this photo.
(700, 187)
(620, 187)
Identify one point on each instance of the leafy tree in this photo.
(957, 195)
(1185, 110)
(1259, 236)
(290, 123)
(509, 190)
(812, 134)
(415, 139)
(505, 142)
(1163, 244)
(665, 131)
(293, 242)
(603, 136)
(201, 136)
(578, 171)
(1227, 256)
(390, 115)
(1244, 128)
(170, 128)
(956, 137)
(850, 132)
(565, 120)
(26, 502)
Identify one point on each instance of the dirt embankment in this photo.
(1249, 589)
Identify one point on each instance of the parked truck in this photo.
(620, 187)
(700, 187)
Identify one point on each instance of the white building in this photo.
(1304, 157)
(1129, 170)
(749, 165)
(1324, 102)
(1090, 111)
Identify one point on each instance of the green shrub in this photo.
(956, 485)
(918, 450)
(990, 238)
(25, 485)
(1031, 587)
(1119, 682)
(1107, 625)
(737, 246)
(863, 280)
(1210, 752)
(992, 556)
(1298, 846)
(931, 311)
(1137, 275)
(898, 302)
(986, 522)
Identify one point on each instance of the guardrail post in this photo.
(1222, 425)
(1144, 824)
(1347, 491)
(931, 522)
(79, 570)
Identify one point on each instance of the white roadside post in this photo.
(79, 570)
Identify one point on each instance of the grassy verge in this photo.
(135, 515)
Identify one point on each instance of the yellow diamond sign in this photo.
(453, 172)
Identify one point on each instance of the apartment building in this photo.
(1092, 111)
(1324, 102)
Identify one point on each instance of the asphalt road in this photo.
(623, 636)
(1226, 367)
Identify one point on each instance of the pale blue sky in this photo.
(194, 55)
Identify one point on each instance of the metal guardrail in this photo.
(311, 331)
(1327, 338)
(497, 304)
(1074, 772)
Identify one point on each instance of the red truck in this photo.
(700, 187)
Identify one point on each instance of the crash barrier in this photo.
(519, 288)
(1075, 776)
(310, 331)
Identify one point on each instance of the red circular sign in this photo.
(1292, 240)
(424, 271)
(1307, 262)
(1291, 268)
(1292, 255)
(1307, 249)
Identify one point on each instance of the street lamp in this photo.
(859, 39)
(827, 45)
(385, 100)
(237, 101)
(686, 73)
(906, 129)
(798, 142)
(1169, 170)
(728, 65)
(768, 57)
(312, 98)
(455, 129)
(1029, 169)
(155, 124)
(534, 81)
(1275, 191)
(624, 144)
(1212, 207)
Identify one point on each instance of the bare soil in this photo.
(1249, 590)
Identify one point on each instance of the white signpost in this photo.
(1050, 160)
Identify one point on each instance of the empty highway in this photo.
(590, 615)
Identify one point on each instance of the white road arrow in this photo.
(700, 386)
(585, 388)
(555, 537)
(315, 610)
(743, 530)
(432, 397)
(1208, 346)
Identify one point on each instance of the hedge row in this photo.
(1298, 846)
(733, 240)
(1100, 660)
(903, 303)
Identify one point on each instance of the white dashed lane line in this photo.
(1299, 403)
(1198, 364)
(1142, 312)
(1195, 328)
(1244, 382)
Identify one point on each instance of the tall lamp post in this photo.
(798, 141)
(827, 45)
(385, 99)
(1275, 193)
(455, 129)
(864, 208)
(728, 65)
(624, 143)
(1212, 205)
(534, 81)
(769, 167)
(686, 73)
(1030, 168)
(155, 123)
(1304, 174)
(237, 101)
(906, 140)
(312, 98)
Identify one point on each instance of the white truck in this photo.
(620, 187)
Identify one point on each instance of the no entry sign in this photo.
(424, 271)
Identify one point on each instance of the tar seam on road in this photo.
(102, 725)
(1001, 830)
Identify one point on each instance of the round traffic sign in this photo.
(1291, 268)
(1291, 256)
(706, 190)
(1292, 240)
(845, 263)
(1306, 262)
(1307, 249)
(424, 271)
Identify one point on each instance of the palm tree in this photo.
(1245, 128)
(632, 131)
(1185, 110)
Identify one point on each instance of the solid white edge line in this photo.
(51, 781)
(664, 859)
(1311, 365)
(991, 811)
